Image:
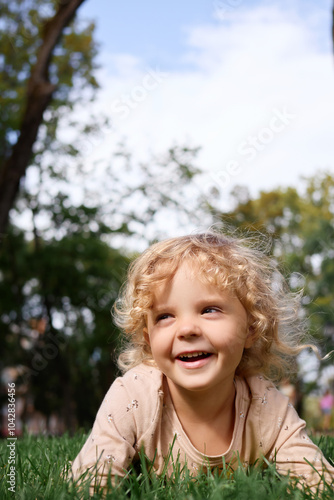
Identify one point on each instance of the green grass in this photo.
(40, 462)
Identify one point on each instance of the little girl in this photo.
(209, 327)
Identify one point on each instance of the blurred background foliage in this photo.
(63, 257)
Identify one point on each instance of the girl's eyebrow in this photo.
(160, 307)
(165, 307)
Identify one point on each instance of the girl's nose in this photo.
(188, 328)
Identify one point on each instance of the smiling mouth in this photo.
(193, 356)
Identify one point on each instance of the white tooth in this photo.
(192, 355)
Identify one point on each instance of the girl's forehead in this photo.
(192, 271)
(166, 272)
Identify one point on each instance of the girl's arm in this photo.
(110, 447)
(128, 418)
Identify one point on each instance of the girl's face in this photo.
(197, 333)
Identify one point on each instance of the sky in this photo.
(251, 83)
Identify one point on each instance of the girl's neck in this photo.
(208, 421)
(202, 405)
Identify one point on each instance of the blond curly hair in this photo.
(227, 263)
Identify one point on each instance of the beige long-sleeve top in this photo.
(137, 411)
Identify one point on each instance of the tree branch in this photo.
(39, 95)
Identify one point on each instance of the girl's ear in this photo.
(146, 336)
(250, 339)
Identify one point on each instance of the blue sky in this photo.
(157, 31)
(147, 29)
(250, 82)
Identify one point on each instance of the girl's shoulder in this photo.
(147, 374)
(258, 389)
(134, 397)
(142, 381)
(266, 411)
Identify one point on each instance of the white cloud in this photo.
(243, 69)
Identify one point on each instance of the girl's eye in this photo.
(162, 317)
(210, 310)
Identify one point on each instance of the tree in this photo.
(45, 55)
(56, 296)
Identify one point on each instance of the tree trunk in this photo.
(39, 95)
